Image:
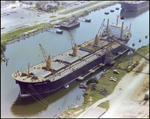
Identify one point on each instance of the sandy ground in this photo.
(128, 94)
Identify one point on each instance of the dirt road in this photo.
(125, 102)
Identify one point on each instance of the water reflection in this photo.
(131, 14)
(26, 107)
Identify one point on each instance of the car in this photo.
(115, 72)
(82, 1)
(76, 3)
(2, 27)
(112, 79)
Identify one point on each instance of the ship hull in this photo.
(34, 88)
(127, 6)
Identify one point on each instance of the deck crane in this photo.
(98, 35)
(47, 60)
(74, 45)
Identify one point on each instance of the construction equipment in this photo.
(47, 60)
(74, 45)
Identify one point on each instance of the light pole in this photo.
(29, 16)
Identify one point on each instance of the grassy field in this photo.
(105, 86)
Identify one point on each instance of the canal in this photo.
(28, 51)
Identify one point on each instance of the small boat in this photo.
(59, 31)
(117, 8)
(146, 36)
(111, 10)
(66, 86)
(87, 20)
(106, 13)
(122, 17)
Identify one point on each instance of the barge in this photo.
(70, 24)
(61, 70)
(133, 5)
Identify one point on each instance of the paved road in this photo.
(14, 20)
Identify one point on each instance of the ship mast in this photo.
(130, 27)
(28, 69)
(121, 30)
(117, 20)
(107, 26)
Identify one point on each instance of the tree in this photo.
(94, 87)
(92, 80)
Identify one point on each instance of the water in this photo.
(28, 50)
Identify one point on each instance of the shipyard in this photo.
(74, 68)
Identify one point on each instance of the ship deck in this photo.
(63, 64)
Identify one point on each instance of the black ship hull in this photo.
(33, 88)
(127, 6)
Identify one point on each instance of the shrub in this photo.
(92, 80)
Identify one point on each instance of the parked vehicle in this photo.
(112, 79)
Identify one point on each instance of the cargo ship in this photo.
(133, 5)
(75, 64)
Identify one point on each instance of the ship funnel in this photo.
(121, 30)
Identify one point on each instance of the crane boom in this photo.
(44, 54)
(130, 48)
(99, 31)
(47, 60)
(74, 45)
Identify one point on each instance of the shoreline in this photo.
(19, 36)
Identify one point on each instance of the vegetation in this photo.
(104, 105)
(92, 80)
(105, 87)
(73, 10)
(46, 7)
(3, 47)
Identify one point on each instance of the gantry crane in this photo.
(74, 45)
(47, 60)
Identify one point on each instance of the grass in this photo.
(52, 16)
(104, 105)
(89, 10)
(73, 10)
(105, 86)
(19, 32)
